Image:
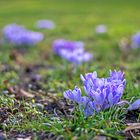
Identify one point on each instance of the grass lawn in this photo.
(35, 106)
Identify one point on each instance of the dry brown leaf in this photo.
(74, 138)
(26, 94)
(19, 92)
(132, 131)
(100, 138)
(132, 126)
(17, 56)
(28, 138)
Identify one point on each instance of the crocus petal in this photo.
(74, 95)
(122, 103)
(101, 29)
(135, 40)
(110, 99)
(45, 24)
(135, 105)
(89, 109)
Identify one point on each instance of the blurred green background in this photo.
(78, 16)
(76, 19)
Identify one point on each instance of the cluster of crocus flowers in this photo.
(136, 40)
(72, 51)
(101, 93)
(45, 24)
(19, 35)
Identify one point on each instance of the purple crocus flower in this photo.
(136, 40)
(101, 93)
(72, 51)
(62, 44)
(74, 95)
(18, 35)
(45, 24)
(101, 29)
